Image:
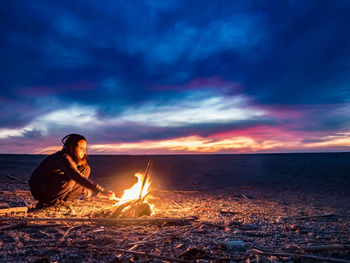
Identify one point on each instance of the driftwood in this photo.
(326, 247)
(117, 211)
(16, 192)
(100, 220)
(297, 255)
(15, 179)
(13, 225)
(142, 254)
(24, 202)
(20, 209)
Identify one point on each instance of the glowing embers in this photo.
(134, 203)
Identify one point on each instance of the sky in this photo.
(175, 76)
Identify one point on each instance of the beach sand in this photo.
(243, 205)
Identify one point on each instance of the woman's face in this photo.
(81, 149)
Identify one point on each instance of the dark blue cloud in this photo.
(121, 54)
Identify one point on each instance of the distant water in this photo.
(303, 171)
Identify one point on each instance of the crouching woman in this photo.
(63, 176)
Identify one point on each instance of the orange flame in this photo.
(134, 192)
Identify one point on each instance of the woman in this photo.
(63, 176)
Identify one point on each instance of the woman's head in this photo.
(75, 145)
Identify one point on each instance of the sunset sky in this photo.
(175, 77)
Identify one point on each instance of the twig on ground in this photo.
(13, 225)
(65, 234)
(135, 245)
(144, 241)
(143, 254)
(245, 196)
(176, 203)
(100, 220)
(24, 201)
(15, 179)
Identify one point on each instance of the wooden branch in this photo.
(65, 234)
(13, 225)
(100, 220)
(143, 254)
(17, 192)
(20, 209)
(145, 177)
(15, 179)
(176, 203)
(245, 196)
(305, 256)
(171, 259)
(326, 247)
(144, 241)
(24, 201)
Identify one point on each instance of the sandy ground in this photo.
(293, 205)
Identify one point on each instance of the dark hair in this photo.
(70, 142)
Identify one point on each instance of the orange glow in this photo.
(47, 150)
(133, 192)
(257, 139)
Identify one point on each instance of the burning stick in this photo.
(140, 207)
(145, 178)
(132, 203)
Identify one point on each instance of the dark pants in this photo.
(70, 190)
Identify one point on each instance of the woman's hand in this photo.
(87, 192)
(110, 195)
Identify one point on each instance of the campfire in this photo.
(134, 203)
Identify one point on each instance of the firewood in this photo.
(20, 209)
(17, 192)
(100, 220)
(13, 225)
(143, 254)
(116, 211)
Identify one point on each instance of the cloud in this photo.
(196, 108)
(190, 43)
(179, 70)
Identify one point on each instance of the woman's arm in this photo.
(70, 169)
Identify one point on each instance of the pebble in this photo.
(231, 244)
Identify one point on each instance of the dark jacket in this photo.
(54, 171)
